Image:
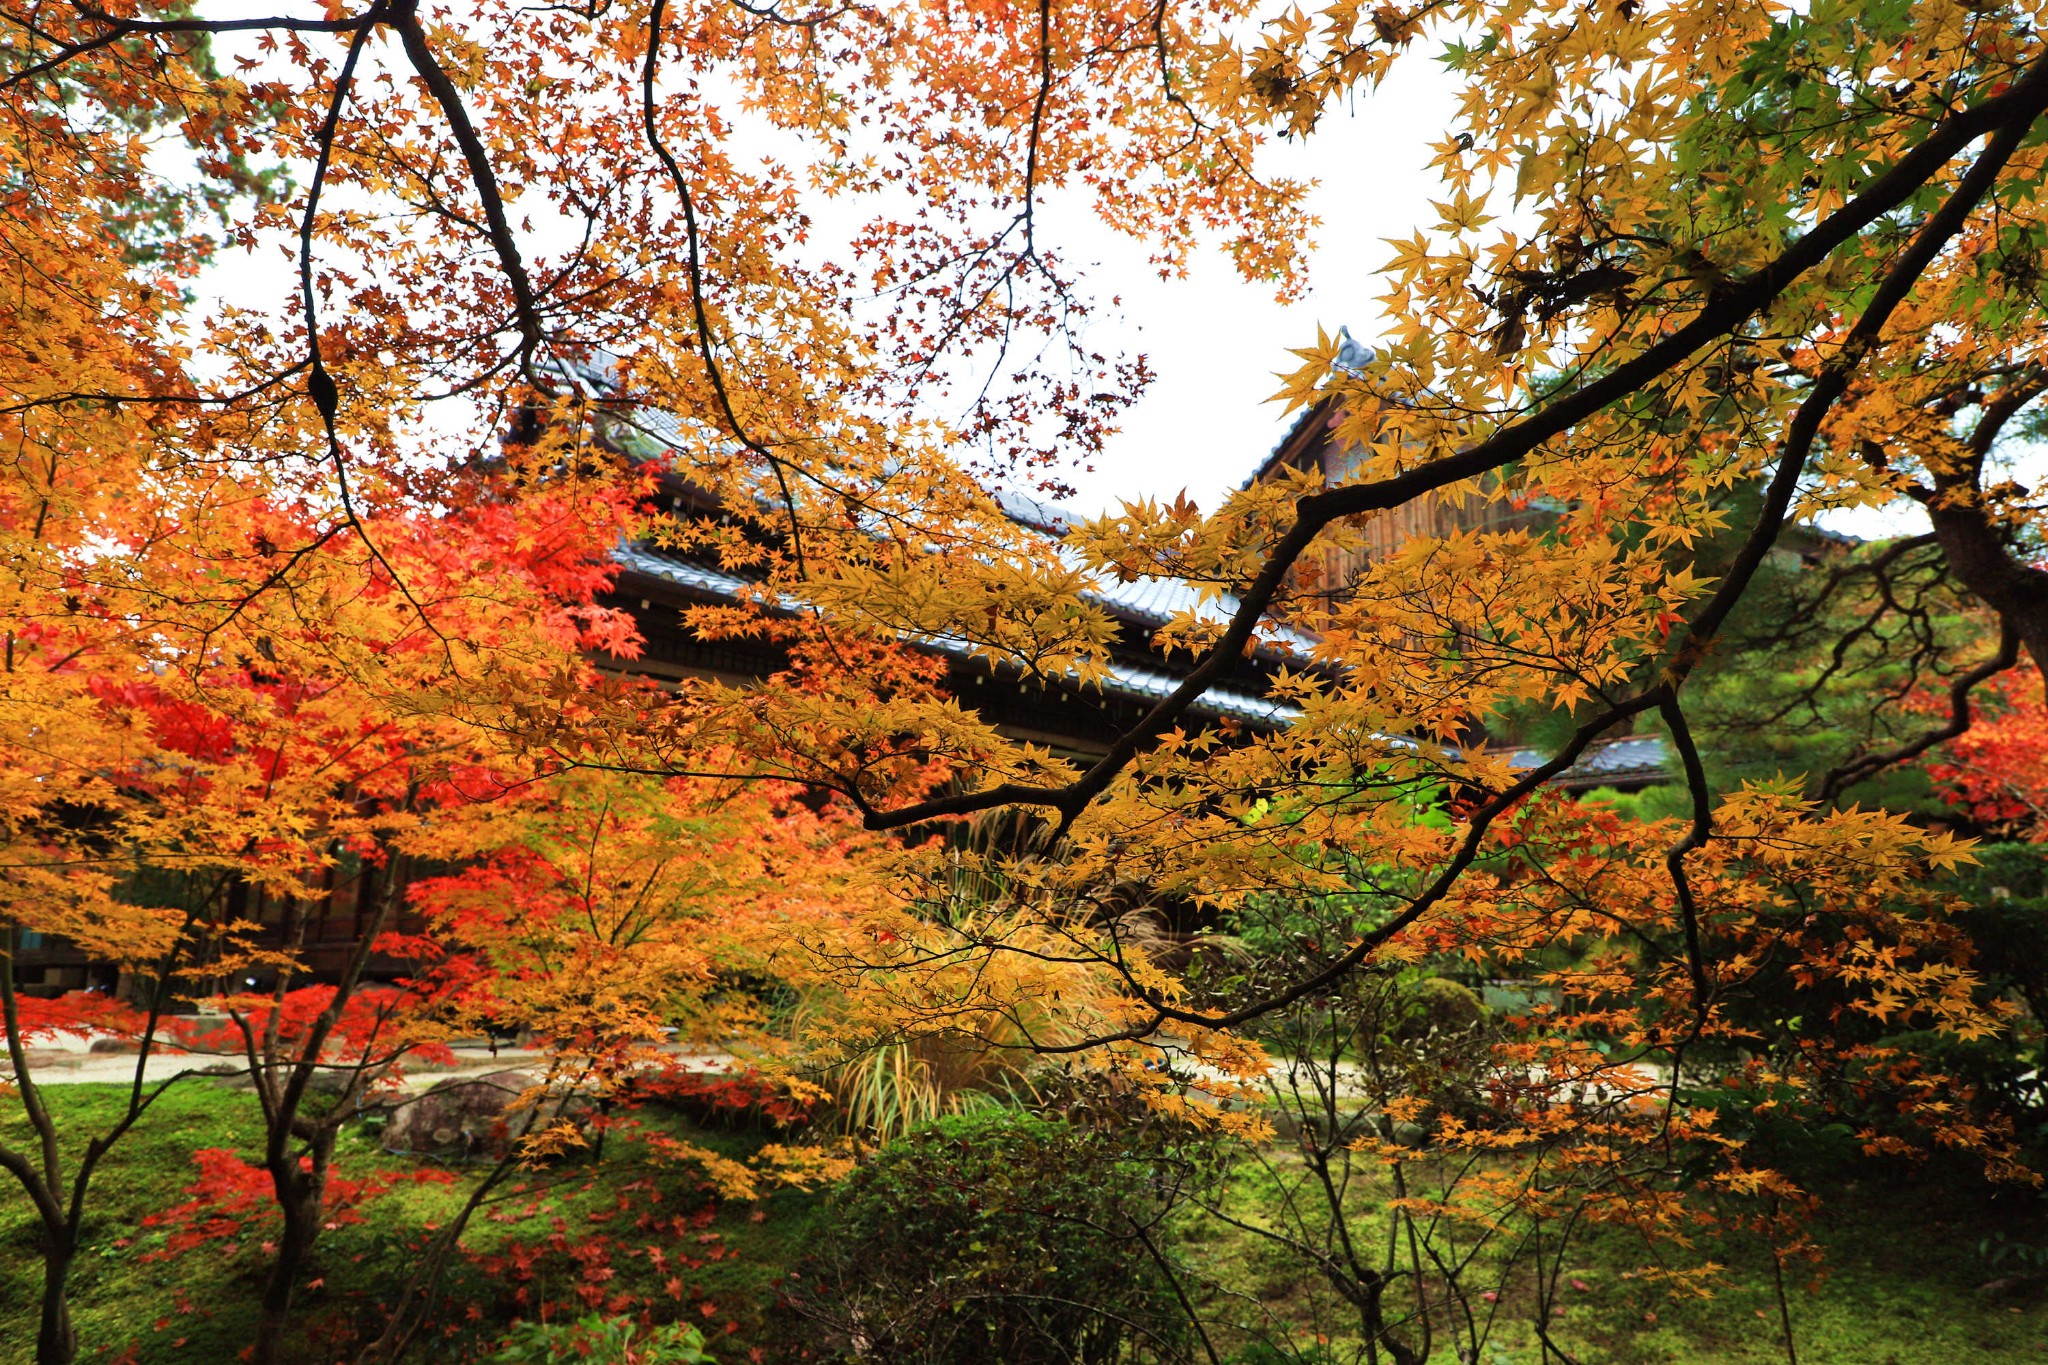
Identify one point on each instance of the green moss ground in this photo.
(1902, 1288)
(195, 1309)
(1901, 1285)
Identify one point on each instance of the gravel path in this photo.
(71, 1061)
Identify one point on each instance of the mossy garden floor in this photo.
(1904, 1285)
(660, 1239)
(1905, 1281)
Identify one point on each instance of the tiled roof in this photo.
(1312, 412)
(1615, 760)
(1151, 601)
(1153, 685)
(645, 432)
(1635, 758)
(1146, 601)
(1048, 517)
(1124, 678)
(1352, 358)
(681, 572)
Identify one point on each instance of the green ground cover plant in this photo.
(624, 1235)
(1909, 1278)
(1921, 1268)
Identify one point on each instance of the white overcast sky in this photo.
(1217, 343)
(1214, 341)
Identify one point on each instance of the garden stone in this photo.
(461, 1119)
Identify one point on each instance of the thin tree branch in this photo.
(1862, 767)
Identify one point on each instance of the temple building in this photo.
(657, 587)
(1311, 446)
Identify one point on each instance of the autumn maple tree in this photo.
(260, 754)
(1994, 769)
(1699, 274)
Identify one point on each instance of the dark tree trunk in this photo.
(1380, 1335)
(2014, 589)
(300, 1149)
(294, 1249)
(56, 1342)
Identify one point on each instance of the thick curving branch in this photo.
(404, 17)
(2007, 116)
(1975, 547)
(1695, 837)
(118, 29)
(1926, 245)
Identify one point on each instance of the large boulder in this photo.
(1436, 1006)
(468, 1119)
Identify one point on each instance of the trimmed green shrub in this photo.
(1000, 1236)
(1436, 1005)
(597, 1340)
(1267, 1353)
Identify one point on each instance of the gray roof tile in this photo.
(1612, 760)
(1124, 679)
